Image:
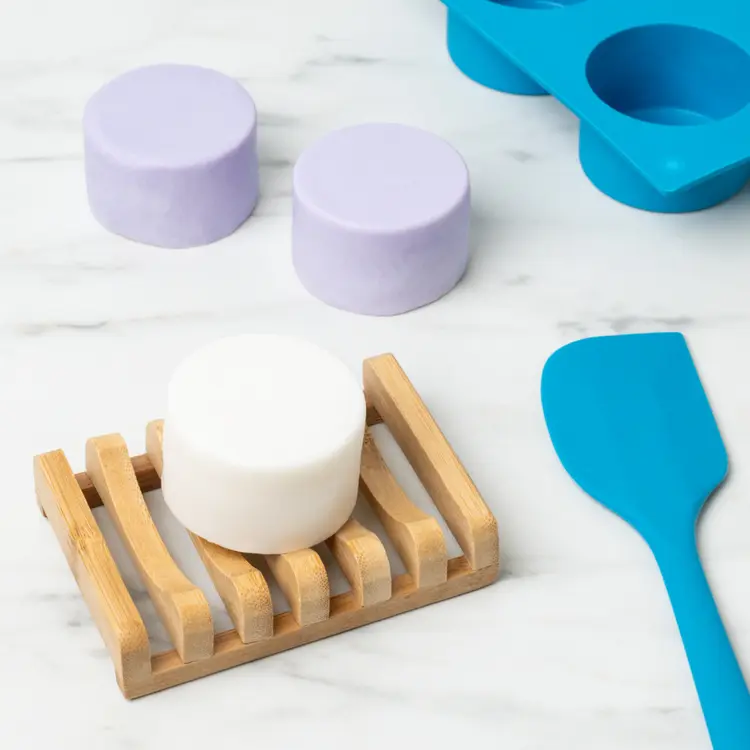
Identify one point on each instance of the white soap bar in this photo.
(262, 443)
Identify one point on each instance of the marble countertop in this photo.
(575, 647)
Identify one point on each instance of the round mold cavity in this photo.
(537, 4)
(670, 75)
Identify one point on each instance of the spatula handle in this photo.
(721, 687)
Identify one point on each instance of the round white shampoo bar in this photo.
(262, 443)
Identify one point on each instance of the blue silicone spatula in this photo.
(631, 424)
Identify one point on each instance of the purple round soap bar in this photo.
(171, 157)
(381, 218)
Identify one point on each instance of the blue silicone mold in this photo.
(661, 87)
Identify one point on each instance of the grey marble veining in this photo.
(575, 648)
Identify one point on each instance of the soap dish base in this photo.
(118, 481)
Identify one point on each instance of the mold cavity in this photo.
(537, 4)
(670, 75)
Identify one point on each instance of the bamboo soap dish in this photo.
(116, 480)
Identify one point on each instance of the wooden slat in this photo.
(181, 605)
(364, 561)
(437, 466)
(229, 651)
(242, 588)
(94, 569)
(416, 535)
(302, 577)
(145, 473)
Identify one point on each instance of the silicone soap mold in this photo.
(661, 87)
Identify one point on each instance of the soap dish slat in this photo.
(66, 499)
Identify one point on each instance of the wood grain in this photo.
(242, 587)
(91, 562)
(417, 536)
(181, 605)
(302, 577)
(433, 460)
(364, 561)
(147, 476)
(229, 651)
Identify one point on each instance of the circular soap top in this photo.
(265, 401)
(381, 177)
(170, 116)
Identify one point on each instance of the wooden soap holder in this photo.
(118, 481)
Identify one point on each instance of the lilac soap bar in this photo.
(381, 218)
(171, 157)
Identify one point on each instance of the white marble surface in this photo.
(575, 648)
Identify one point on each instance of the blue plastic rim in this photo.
(479, 60)
(476, 58)
(537, 4)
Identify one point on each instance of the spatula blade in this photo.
(631, 423)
